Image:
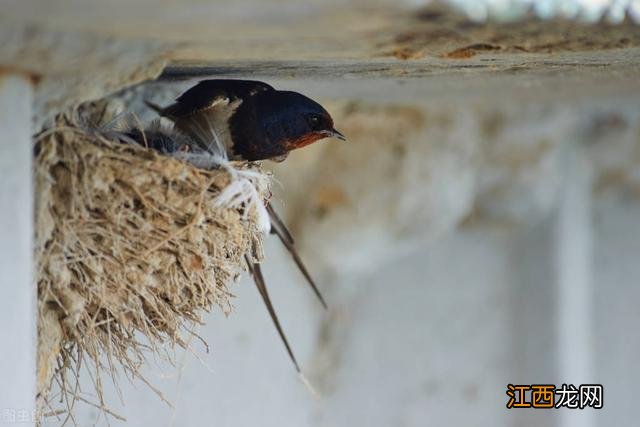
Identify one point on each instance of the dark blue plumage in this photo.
(249, 120)
(273, 123)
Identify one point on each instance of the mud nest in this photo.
(132, 247)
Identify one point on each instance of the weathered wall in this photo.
(433, 231)
(431, 339)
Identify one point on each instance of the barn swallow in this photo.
(249, 120)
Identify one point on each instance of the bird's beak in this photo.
(335, 134)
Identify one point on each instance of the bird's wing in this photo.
(203, 112)
(209, 126)
(206, 93)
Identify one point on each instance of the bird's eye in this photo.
(314, 120)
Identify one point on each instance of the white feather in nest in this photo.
(244, 190)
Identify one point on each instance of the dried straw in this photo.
(132, 248)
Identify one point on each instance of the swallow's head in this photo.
(305, 121)
(291, 120)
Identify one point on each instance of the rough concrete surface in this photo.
(83, 50)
